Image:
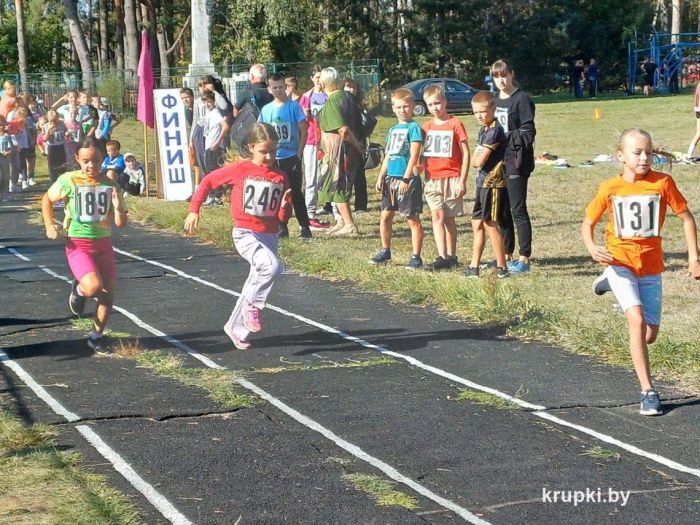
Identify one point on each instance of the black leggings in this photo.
(292, 167)
(515, 214)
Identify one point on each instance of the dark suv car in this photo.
(459, 95)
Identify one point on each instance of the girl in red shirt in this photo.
(260, 201)
(635, 202)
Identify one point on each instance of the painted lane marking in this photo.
(152, 495)
(352, 449)
(538, 410)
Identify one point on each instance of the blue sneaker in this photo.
(651, 404)
(601, 285)
(384, 256)
(414, 262)
(518, 266)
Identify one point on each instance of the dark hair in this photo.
(208, 95)
(275, 77)
(501, 66)
(114, 143)
(316, 69)
(187, 90)
(91, 142)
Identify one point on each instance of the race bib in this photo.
(315, 109)
(284, 131)
(438, 144)
(397, 139)
(261, 198)
(92, 203)
(74, 135)
(502, 118)
(636, 215)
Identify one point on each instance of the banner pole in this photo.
(145, 157)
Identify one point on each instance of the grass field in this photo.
(552, 303)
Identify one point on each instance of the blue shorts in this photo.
(631, 290)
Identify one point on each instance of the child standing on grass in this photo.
(491, 194)
(401, 190)
(260, 201)
(68, 110)
(8, 146)
(446, 164)
(636, 202)
(94, 203)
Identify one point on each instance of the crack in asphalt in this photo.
(158, 419)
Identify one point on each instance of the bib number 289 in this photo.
(261, 198)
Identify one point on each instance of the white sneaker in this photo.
(25, 184)
(31, 181)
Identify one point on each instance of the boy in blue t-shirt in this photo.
(401, 190)
(289, 120)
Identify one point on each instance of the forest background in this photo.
(410, 38)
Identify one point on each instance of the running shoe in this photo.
(316, 225)
(601, 285)
(440, 263)
(383, 257)
(518, 266)
(237, 342)
(491, 264)
(97, 344)
(471, 273)
(453, 261)
(502, 273)
(651, 404)
(31, 181)
(25, 184)
(251, 318)
(414, 262)
(76, 302)
(349, 230)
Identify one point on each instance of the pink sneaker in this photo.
(238, 343)
(251, 318)
(315, 224)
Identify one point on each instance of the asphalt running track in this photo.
(184, 459)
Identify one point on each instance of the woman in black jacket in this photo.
(515, 112)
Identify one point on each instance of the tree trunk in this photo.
(675, 20)
(78, 38)
(119, 32)
(132, 36)
(21, 44)
(104, 33)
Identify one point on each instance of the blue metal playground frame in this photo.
(662, 47)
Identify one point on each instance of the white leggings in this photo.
(260, 250)
(311, 179)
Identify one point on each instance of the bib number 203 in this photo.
(637, 216)
(261, 198)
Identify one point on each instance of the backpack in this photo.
(369, 122)
(373, 156)
(247, 116)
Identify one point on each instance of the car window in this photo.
(453, 86)
(428, 84)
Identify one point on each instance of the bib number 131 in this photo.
(261, 198)
(637, 216)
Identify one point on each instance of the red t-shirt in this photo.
(636, 213)
(256, 195)
(441, 148)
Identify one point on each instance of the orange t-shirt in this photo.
(441, 148)
(636, 213)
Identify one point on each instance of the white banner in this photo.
(171, 127)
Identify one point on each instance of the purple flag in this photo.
(144, 111)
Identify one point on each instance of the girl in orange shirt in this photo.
(636, 202)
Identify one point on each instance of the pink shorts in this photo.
(91, 255)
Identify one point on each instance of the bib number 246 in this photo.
(261, 198)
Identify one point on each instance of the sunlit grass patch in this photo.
(40, 484)
(484, 398)
(220, 385)
(327, 364)
(86, 324)
(382, 491)
(598, 452)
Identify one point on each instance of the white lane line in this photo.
(538, 410)
(152, 495)
(356, 451)
(161, 504)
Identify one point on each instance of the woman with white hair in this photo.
(341, 151)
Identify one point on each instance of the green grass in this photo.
(598, 452)
(553, 303)
(484, 398)
(220, 385)
(86, 324)
(327, 364)
(40, 484)
(382, 491)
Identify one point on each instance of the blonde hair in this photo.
(403, 94)
(655, 150)
(484, 97)
(433, 90)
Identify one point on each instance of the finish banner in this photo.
(173, 144)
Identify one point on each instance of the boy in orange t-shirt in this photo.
(446, 164)
(636, 203)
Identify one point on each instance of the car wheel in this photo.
(420, 110)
